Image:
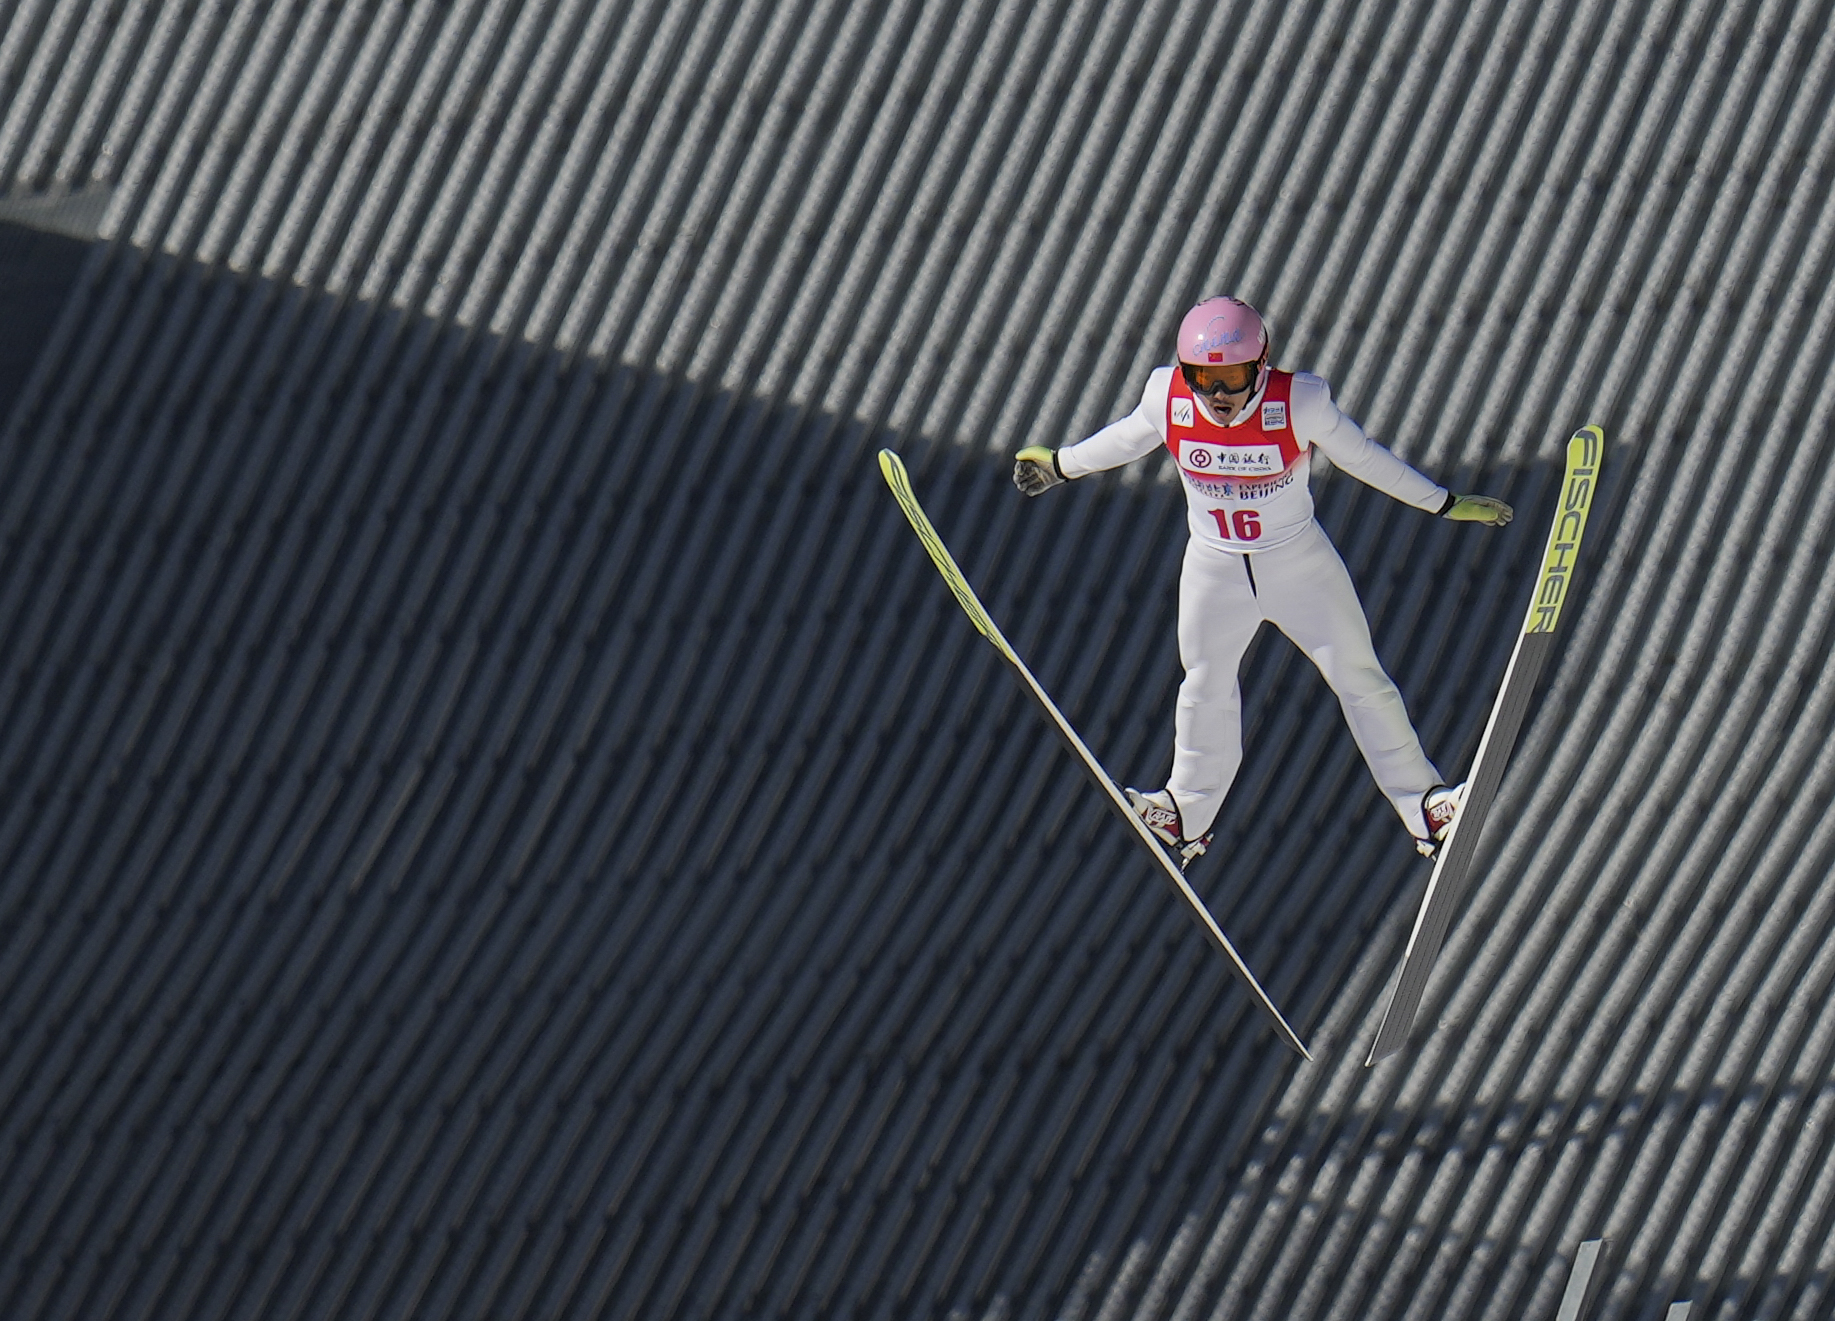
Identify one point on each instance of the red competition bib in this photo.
(1232, 463)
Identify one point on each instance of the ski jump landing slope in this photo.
(500, 819)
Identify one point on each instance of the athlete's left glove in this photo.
(1036, 470)
(1475, 509)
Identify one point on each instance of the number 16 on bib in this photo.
(1247, 524)
(1447, 886)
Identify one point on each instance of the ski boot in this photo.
(1439, 805)
(1162, 817)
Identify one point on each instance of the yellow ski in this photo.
(1451, 870)
(900, 482)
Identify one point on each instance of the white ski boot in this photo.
(1161, 814)
(1439, 805)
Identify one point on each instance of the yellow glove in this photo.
(1476, 509)
(1036, 470)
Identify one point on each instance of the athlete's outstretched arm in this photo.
(1318, 419)
(1037, 469)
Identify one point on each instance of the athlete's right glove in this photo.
(1475, 509)
(1036, 470)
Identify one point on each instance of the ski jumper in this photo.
(1257, 553)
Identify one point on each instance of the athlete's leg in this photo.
(1306, 591)
(1218, 616)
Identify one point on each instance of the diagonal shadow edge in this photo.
(341, 648)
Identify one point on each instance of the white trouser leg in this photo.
(1218, 616)
(1305, 591)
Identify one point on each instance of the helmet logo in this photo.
(1218, 333)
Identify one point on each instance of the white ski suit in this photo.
(1257, 553)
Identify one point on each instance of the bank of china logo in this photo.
(1181, 412)
(1203, 460)
(1274, 416)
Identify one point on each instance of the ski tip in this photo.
(1388, 1041)
(890, 463)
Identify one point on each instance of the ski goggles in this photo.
(1224, 378)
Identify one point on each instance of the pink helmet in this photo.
(1221, 330)
(1219, 334)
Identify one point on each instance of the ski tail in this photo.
(1534, 643)
(900, 482)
